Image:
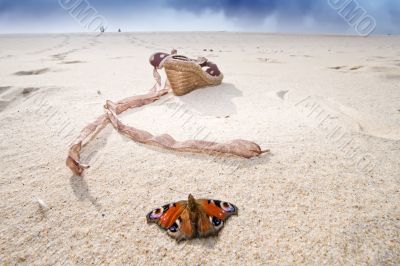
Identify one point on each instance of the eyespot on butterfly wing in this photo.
(217, 208)
(215, 213)
(174, 218)
(166, 215)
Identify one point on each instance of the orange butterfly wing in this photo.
(185, 228)
(175, 218)
(212, 215)
(166, 215)
(216, 208)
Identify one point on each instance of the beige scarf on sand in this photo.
(241, 148)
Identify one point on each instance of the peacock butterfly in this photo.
(192, 218)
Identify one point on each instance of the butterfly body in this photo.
(192, 218)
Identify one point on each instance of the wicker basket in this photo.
(186, 76)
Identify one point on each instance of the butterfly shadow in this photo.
(204, 242)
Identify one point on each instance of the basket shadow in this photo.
(213, 101)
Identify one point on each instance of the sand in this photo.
(326, 106)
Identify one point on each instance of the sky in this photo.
(275, 16)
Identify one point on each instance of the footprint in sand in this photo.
(387, 72)
(62, 56)
(353, 68)
(268, 60)
(63, 43)
(72, 62)
(359, 122)
(393, 76)
(7, 56)
(32, 72)
(282, 94)
(304, 55)
(4, 88)
(381, 68)
(356, 68)
(13, 96)
(337, 67)
(26, 91)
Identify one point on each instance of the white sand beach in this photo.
(327, 107)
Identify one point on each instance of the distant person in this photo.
(119, 30)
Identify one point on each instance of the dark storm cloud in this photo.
(394, 12)
(241, 12)
(293, 12)
(257, 9)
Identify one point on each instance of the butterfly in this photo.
(192, 218)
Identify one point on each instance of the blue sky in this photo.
(308, 16)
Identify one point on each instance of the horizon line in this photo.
(207, 31)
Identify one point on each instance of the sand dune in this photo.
(326, 106)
